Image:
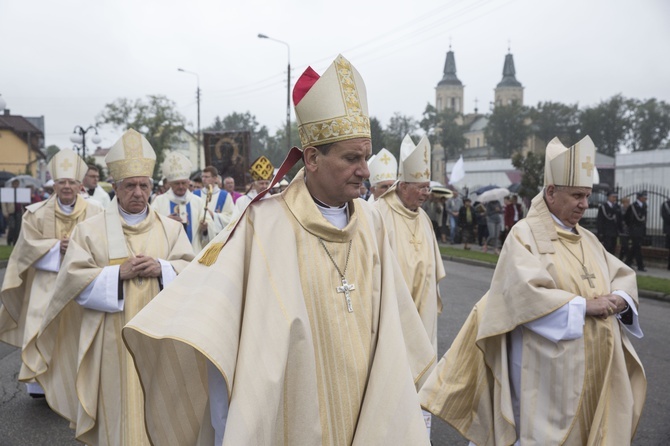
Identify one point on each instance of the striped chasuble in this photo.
(587, 391)
(299, 367)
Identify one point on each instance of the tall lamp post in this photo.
(288, 88)
(197, 97)
(79, 137)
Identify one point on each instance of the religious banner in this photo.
(228, 151)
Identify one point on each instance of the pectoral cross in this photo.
(588, 276)
(415, 242)
(346, 288)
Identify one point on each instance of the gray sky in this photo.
(66, 59)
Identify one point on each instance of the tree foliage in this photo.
(443, 128)
(553, 119)
(399, 126)
(376, 134)
(507, 129)
(531, 167)
(156, 117)
(51, 151)
(607, 124)
(649, 125)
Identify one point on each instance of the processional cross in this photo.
(346, 288)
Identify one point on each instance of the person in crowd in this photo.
(383, 173)
(482, 227)
(179, 204)
(229, 186)
(36, 259)
(220, 203)
(624, 235)
(454, 205)
(494, 214)
(467, 220)
(321, 342)
(609, 222)
(443, 219)
(13, 214)
(513, 213)
(636, 220)
(412, 235)
(545, 357)
(665, 216)
(116, 262)
(93, 189)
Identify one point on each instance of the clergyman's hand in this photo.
(600, 307)
(64, 242)
(147, 266)
(127, 269)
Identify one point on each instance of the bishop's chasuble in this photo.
(586, 391)
(269, 315)
(91, 379)
(413, 241)
(31, 274)
(191, 209)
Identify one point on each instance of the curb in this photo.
(654, 295)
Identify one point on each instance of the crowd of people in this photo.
(298, 313)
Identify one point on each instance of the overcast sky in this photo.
(66, 59)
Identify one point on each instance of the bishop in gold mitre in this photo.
(36, 259)
(116, 263)
(303, 331)
(545, 357)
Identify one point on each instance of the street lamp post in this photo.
(288, 88)
(79, 137)
(197, 97)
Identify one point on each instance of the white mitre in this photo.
(67, 164)
(176, 167)
(131, 156)
(414, 164)
(383, 166)
(572, 166)
(332, 107)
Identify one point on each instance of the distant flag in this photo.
(457, 172)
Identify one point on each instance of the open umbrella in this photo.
(493, 194)
(483, 189)
(25, 181)
(442, 192)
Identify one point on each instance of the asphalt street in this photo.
(24, 421)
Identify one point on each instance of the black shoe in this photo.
(36, 395)
(642, 270)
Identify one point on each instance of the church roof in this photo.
(509, 73)
(450, 77)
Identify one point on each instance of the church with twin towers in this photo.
(450, 94)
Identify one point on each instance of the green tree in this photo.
(650, 125)
(443, 128)
(51, 151)
(260, 137)
(608, 124)
(156, 117)
(551, 119)
(507, 129)
(399, 126)
(531, 167)
(376, 134)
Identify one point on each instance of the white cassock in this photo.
(220, 204)
(191, 209)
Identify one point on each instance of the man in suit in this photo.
(665, 215)
(609, 222)
(636, 218)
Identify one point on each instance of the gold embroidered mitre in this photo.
(414, 164)
(67, 164)
(261, 169)
(332, 107)
(383, 166)
(176, 167)
(572, 166)
(131, 156)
